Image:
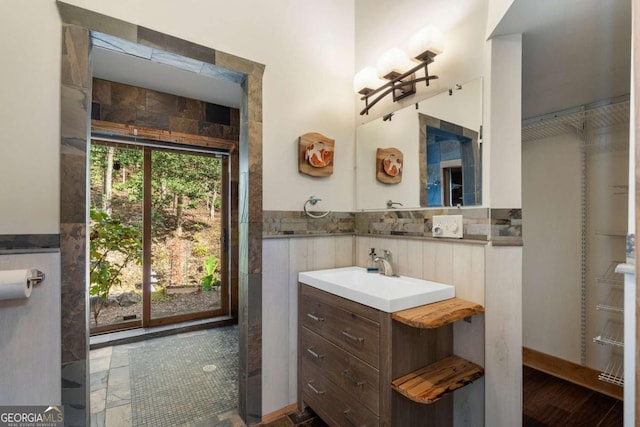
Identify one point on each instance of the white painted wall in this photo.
(501, 155)
(30, 85)
(630, 279)
(383, 24)
(551, 205)
(552, 213)
(308, 50)
(497, 10)
(558, 37)
(607, 222)
(503, 268)
(630, 295)
(633, 91)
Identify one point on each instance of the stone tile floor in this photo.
(114, 382)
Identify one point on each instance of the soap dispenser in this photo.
(372, 266)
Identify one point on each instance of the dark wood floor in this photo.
(296, 419)
(549, 401)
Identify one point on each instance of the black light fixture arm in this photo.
(399, 83)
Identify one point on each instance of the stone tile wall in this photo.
(26, 242)
(279, 223)
(506, 227)
(501, 226)
(419, 223)
(75, 96)
(122, 103)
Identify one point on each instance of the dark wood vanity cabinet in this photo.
(339, 358)
(349, 355)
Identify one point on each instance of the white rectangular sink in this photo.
(375, 290)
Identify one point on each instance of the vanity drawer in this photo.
(356, 334)
(332, 403)
(359, 380)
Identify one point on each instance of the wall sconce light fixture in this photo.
(395, 70)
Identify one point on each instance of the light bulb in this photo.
(366, 80)
(429, 41)
(393, 63)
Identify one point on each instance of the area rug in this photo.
(184, 380)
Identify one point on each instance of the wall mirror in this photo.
(441, 144)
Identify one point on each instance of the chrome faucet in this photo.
(386, 263)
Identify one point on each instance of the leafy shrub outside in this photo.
(113, 246)
(211, 277)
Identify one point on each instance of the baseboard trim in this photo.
(280, 412)
(569, 371)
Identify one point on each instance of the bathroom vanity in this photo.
(385, 360)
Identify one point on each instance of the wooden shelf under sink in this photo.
(438, 314)
(429, 384)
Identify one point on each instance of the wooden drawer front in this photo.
(332, 403)
(359, 380)
(356, 334)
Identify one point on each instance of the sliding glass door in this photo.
(187, 236)
(116, 220)
(159, 235)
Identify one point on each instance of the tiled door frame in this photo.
(75, 93)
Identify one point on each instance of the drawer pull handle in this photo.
(348, 418)
(315, 390)
(314, 317)
(314, 354)
(352, 337)
(352, 380)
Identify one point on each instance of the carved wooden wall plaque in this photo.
(389, 163)
(315, 154)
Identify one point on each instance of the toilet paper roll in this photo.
(15, 284)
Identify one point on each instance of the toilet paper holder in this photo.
(36, 278)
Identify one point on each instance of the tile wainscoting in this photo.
(12, 243)
(288, 223)
(501, 226)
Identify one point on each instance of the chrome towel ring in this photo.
(313, 200)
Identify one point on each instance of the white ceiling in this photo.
(574, 51)
(141, 72)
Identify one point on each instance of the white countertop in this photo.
(385, 293)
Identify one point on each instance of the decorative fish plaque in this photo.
(315, 154)
(389, 163)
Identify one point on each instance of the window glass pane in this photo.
(115, 285)
(187, 225)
